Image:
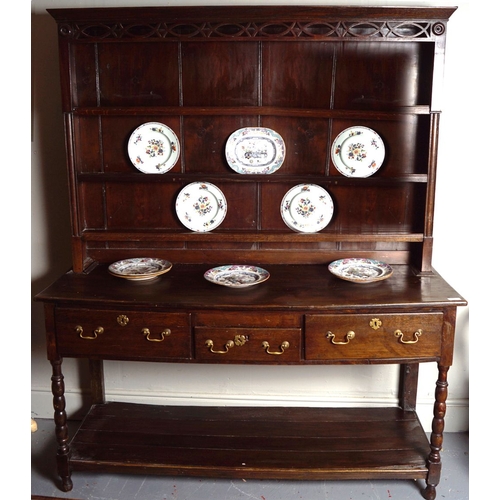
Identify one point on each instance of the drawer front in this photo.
(363, 336)
(117, 334)
(240, 345)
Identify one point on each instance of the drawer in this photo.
(117, 334)
(365, 336)
(240, 345)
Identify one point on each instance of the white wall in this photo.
(227, 385)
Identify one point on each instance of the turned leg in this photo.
(436, 442)
(60, 421)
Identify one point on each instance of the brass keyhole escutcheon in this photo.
(122, 320)
(375, 323)
(240, 340)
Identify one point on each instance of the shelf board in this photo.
(250, 110)
(171, 177)
(247, 236)
(265, 442)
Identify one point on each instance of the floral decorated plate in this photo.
(237, 276)
(153, 148)
(201, 206)
(140, 268)
(360, 270)
(358, 152)
(255, 150)
(307, 208)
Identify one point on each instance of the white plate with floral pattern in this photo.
(307, 208)
(360, 270)
(201, 206)
(153, 148)
(255, 150)
(236, 275)
(358, 152)
(140, 268)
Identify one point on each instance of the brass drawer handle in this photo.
(284, 346)
(210, 344)
(416, 335)
(95, 333)
(163, 334)
(349, 336)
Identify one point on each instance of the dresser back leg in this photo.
(61, 423)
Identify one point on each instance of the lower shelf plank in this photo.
(278, 443)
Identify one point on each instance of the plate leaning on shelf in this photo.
(255, 150)
(237, 276)
(360, 270)
(358, 152)
(307, 208)
(153, 148)
(140, 268)
(201, 206)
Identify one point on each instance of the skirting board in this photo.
(456, 420)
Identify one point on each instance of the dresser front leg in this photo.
(60, 420)
(436, 441)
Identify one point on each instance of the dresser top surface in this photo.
(290, 287)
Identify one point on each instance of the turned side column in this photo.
(60, 420)
(436, 441)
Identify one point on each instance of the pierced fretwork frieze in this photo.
(313, 30)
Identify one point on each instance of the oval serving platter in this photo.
(140, 268)
(153, 148)
(255, 150)
(360, 270)
(236, 275)
(358, 152)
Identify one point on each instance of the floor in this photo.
(454, 483)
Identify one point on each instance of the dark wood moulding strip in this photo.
(136, 177)
(252, 110)
(244, 236)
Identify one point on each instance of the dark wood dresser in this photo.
(206, 73)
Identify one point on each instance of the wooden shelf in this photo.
(246, 236)
(238, 178)
(362, 114)
(278, 443)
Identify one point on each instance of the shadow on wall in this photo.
(50, 227)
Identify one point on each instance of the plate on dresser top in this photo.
(153, 148)
(237, 275)
(140, 268)
(358, 152)
(360, 270)
(307, 208)
(255, 150)
(201, 206)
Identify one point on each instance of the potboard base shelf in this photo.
(241, 442)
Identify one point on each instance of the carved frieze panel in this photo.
(313, 30)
